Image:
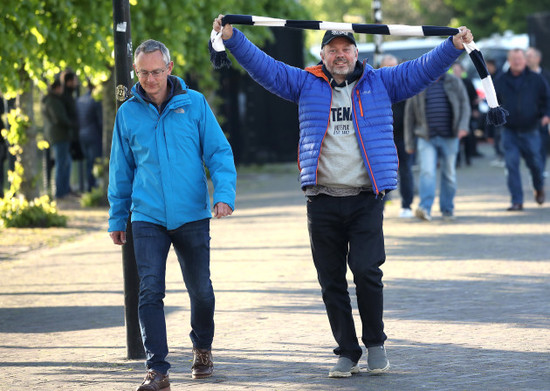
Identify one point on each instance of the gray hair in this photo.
(150, 46)
(534, 50)
(388, 58)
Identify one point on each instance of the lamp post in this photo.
(377, 16)
(123, 82)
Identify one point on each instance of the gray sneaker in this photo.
(423, 214)
(448, 216)
(343, 368)
(377, 362)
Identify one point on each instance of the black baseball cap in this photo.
(331, 34)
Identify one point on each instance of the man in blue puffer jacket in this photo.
(163, 138)
(347, 161)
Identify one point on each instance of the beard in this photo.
(343, 71)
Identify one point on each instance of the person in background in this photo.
(534, 57)
(90, 127)
(492, 132)
(70, 84)
(435, 122)
(58, 131)
(3, 143)
(348, 161)
(525, 95)
(469, 141)
(164, 138)
(406, 178)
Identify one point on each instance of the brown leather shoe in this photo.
(154, 381)
(539, 196)
(202, 364)
(515, 208)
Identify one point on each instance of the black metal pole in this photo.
(123, 81)
(377, 15)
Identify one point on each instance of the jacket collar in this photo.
(353, 76)
(319, 70)
(175, 88)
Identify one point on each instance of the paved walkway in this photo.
(467, 303)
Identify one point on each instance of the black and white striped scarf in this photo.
(496, 115)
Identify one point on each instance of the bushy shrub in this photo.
(94, 198)
(15, 210)
(41, 212)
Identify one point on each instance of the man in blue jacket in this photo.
(525, 95)
(348, 161)
(163, 138)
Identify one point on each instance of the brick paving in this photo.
(466, 303)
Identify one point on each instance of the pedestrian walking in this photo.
(90, 130)
(533, 56)
(70, 91)
(348, 161)
(470, 140)
(3, 143)
(492, 132)
(406, 177)
(163, 138)
(435, 121)
(525, 95)
(59, 131)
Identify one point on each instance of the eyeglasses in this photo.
(156, 73)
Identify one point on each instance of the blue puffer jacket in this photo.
(373, 96)
(157, 161)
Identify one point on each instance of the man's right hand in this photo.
(227, 31)
(118, 237)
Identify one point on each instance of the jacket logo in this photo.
(179, 110)
(367, 92)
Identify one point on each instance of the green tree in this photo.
(485, 17)
(39, 39)
(42, 37)
(185, 26)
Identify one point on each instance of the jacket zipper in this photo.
(357, 129)
(324, 135)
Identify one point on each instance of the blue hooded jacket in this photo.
(157, 166)
(372, 98)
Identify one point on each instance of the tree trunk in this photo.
(108, 103)
(29, 157)
(109, 113)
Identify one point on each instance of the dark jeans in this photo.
(3, 155)
(91, 151)
(406, 181)
(544, 137)
(494, 132)
(48, 164)
(348, 231)
(62, 168)
(517, 145)
(192, 245)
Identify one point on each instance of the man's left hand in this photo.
(221, 209)
(464, 36)
(462, 133)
